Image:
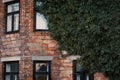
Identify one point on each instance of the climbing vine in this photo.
(89, 28)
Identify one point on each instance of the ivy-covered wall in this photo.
(89, 28)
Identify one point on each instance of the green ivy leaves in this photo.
(89, 28)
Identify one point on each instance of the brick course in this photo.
(28, 43)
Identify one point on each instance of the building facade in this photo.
(27, 52)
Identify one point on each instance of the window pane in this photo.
(14, 67)
(9, 23)
(78, 77)
(41, 77)
(87, 77)
(42, 67)
(91, 76)
(7, 67)
(16, 22)
(14, 77)
(41, 22)
(81, 77)
(13, 7)
(7, 77)
(78, 67)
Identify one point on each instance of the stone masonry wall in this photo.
(27, 43)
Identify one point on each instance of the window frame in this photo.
(75, 72)
(35, 25)
(11, 73)
(12, 19)
(43, 73)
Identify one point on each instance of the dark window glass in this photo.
(41, 77)
(11, 71)
(79, 74)
(12, 17)
(40, 20)
(42, 70)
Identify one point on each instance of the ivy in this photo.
(89, 28)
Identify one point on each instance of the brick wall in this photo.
(100, 76)
(28, 43)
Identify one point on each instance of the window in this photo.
(79, 74)
(41, 23)
(11, 70)
(12, 17)
(41, 70)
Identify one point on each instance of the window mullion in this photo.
(11, 77)
(49, 73)
(12, 22)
